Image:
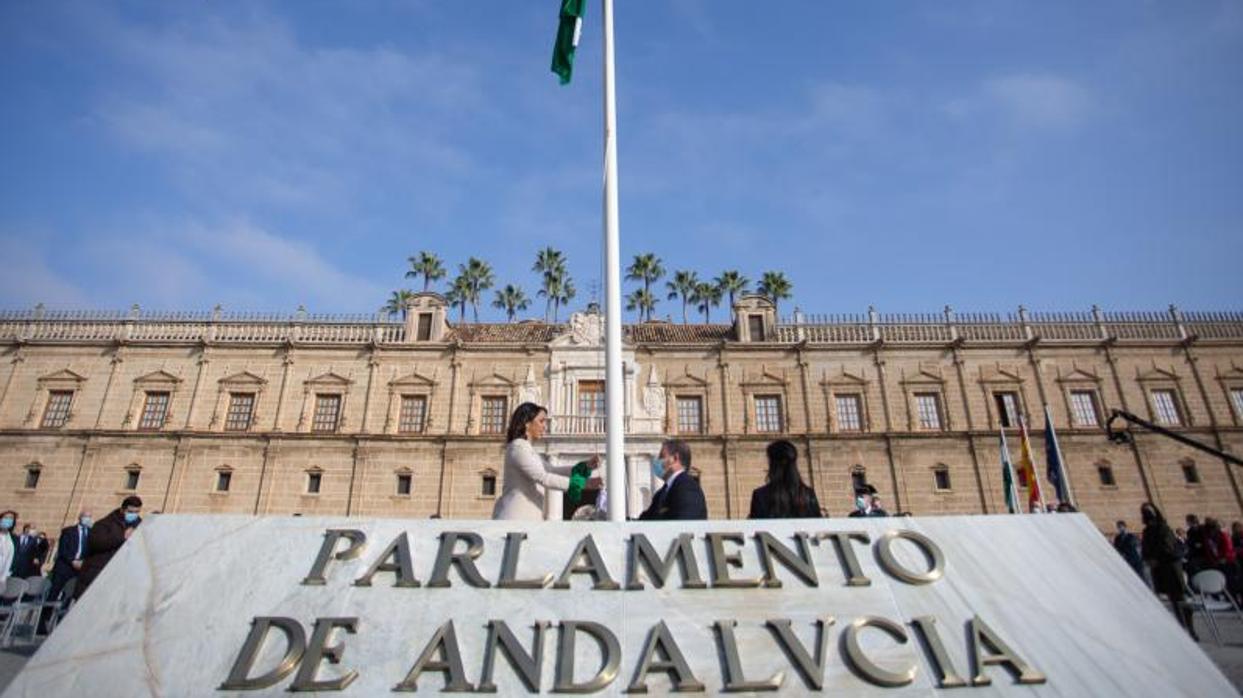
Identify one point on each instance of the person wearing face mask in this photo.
(866, 502)
(1160, 551)
(105, 538)
(29, 554)
(8, 520)
(70, 550)
(680, 497)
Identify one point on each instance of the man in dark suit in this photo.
(866, 502)
(29, 553)
(680, 497)
(70, 550)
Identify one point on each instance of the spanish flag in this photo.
(1035, 497)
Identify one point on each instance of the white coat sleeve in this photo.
(536, 468)
(6, 559)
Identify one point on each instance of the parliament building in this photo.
(366, 416)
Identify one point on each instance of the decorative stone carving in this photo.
(654, 396)
(586, 328)
(530, 390)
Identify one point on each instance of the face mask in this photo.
(6, 523)
(86, 521)
(861, 504)
(658, 468)
(131, 517)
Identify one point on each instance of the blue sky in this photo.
(908, 155)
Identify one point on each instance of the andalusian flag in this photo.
(1007, 477)
(568, 31)
(1028, 468)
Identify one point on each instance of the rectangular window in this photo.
(1236, 398)
(154, 410)
(425, 327)
(690, 414)
(224, 479)
(1007, 408)
(493, 415)
(1106, 474)
(849, 413)
(928, 406)
(1083, 407)
(413, 414)
(57, 411)
(313, 482)
(241, 409)
(1190, 474)
(131, 479)
(768, 413)
(488, 486)
(591, 398)
(755, 323)
(1165, 406)
(327, 413)
(32, 478)
(403, 483)
(942, 476)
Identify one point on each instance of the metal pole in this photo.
(613, 385)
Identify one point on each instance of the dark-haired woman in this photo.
(8, 524)
(528, 474)
(1160, 549)
(784, 496)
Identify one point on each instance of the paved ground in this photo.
(1228, 655)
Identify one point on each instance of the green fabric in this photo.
(567, 39)
(578, 480)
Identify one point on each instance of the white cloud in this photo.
(26, 278)
(1039, 100)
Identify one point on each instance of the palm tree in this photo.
(459, 294)
(706, 296)
(646, 268)
(559, 289)
(775, 286)
(732, 282)
(511, 299)
(643, 301)
(479, 278)
(682, 285)
(397, 303)
(428, 266)
(550, 263)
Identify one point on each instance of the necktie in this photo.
(81, 541)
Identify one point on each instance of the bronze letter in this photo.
(465, 561)
(295, 637)
(799, 564)
(318, 651)
(527, 665)
(984, 636)
(399, 549)
(357, 539)
(594, 566)
(609, 648)
(721, 562)
(659, 639)
(936, 560)
(509, 566)
(680, 551)
(926, 629)
(866, 667)
(735, 680)
(444, 642)
(846, 554)
(811, 671)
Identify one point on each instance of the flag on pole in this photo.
(568, 31)
(1027, 466)
(1007, 477)
(1053, 456)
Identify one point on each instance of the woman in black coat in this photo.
(784, 496)
(1160, 549)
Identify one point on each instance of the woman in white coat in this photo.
(528, 474)
(8, 521)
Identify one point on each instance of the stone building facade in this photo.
(361, 416)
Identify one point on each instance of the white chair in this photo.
(1209, 594)
(10, 597)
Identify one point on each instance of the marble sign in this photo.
(964, 606)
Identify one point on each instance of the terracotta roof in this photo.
(542, 332)
(517, 332)
(673, 333)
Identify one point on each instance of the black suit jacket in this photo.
(67, 550)
(27, 560)
(760, 505)
(683, 500)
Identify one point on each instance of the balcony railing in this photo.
(594, 424)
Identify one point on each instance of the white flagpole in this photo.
(615, 449)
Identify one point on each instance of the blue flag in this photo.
(1053, 456)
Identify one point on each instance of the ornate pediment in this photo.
(413, 379)
(684, 379)
(244, 378)
(1000, 374)
(843, 377)
(1078, 373)
(494, 378)
(926, 372)
(329, 379)
(160, 376)
(583, 330)
(1156, 373)
(62, 376)
(765, 376)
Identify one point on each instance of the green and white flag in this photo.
(1007, 476)
(568, 31)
